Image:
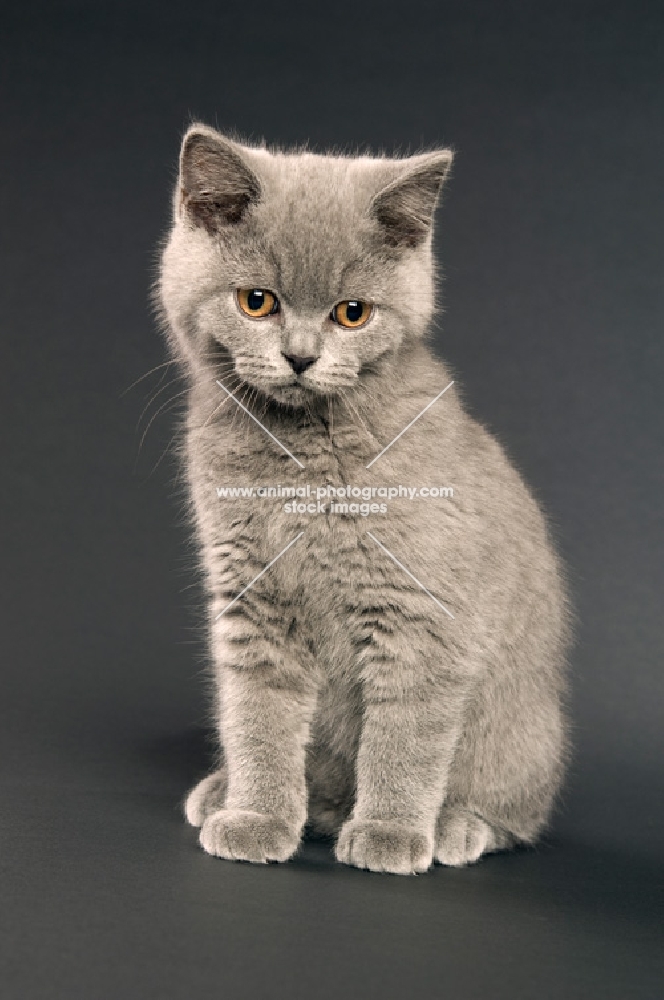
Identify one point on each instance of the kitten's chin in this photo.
(297, 393)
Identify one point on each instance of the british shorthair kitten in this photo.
(388, 673)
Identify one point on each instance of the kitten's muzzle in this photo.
(298, 363)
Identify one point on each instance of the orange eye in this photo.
(257, 302)
(351, 313)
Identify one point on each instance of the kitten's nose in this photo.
(299, 364)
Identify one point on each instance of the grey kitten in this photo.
(393, 680)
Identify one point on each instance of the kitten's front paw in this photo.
(384, 846)
(462, 838)
(206, 797)
(240, 835)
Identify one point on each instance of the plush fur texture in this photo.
(348, 699)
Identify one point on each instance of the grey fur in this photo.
(346, 697)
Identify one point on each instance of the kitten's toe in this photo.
(240, 835)
(384, 846)
(462, 838)
(205, 798)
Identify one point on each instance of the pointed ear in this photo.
(216, 184)
(405, 207)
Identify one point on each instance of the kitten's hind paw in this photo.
(384, 846)
(241, 835)
(206, 797)
(462, 838)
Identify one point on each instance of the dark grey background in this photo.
(552, 237)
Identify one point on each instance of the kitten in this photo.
(393, 680)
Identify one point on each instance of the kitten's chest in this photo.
(267, 459)
(275, 481)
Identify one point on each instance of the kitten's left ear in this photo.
(405, 207)
(216, 184)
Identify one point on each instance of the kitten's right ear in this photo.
(216, 185)
(405, 207)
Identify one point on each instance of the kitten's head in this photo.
(306, 269)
